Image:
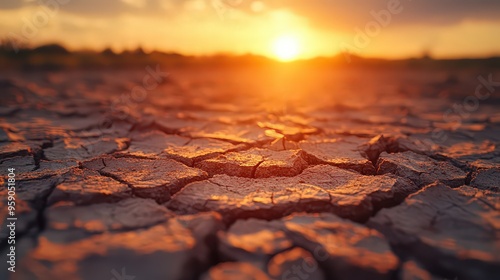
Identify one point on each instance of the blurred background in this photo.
(279, 29)
(280, 54)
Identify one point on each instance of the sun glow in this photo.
(286, 47)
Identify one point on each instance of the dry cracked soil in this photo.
(219, 174)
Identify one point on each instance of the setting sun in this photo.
(286, 48)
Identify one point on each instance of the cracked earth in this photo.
(232, 174)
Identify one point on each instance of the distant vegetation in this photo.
(18, 56)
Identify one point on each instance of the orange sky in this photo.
(387, 28)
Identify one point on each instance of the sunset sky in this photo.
(278, 28)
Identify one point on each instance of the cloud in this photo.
(352, 13)
(339, 16)
(107, 8)
(11, 4)
(325, 13)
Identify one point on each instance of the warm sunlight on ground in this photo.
(286, 48)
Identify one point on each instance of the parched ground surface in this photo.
(248, 174)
